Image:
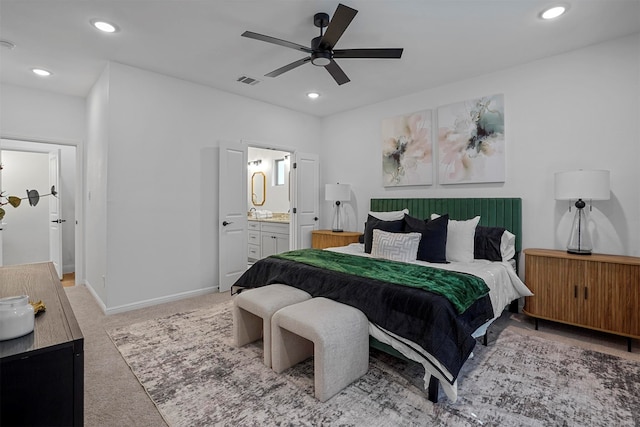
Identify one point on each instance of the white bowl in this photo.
(16, 317)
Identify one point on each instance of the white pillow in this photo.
(395, 246)
(507, 245)
(460, 239)
(390, 216)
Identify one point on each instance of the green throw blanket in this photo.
(460, 289)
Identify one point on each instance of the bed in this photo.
(436, 326)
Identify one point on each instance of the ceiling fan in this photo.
(322, 52)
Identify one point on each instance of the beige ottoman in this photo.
(337, 335)
(252, 311)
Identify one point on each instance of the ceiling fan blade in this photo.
(340, 21)
(368, 53)
(336, 72)
(274, 40)
(299, 62)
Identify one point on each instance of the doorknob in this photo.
(315, 218)
(225, 223)
(59, 221)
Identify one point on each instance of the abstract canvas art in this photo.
(471, 141)
(407, 150)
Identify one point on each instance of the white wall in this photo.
(95, 194)
(25, 235)
(161, 182)
(573, 111)
(35, 115)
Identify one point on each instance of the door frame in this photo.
(56, 254)
(20, 143)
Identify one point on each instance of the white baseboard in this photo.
(95, 296)
(149, 302)
(160, 300)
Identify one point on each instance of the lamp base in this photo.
(338, 231)
(579, 240)
(579, 251)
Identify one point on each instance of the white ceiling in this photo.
(444, 41)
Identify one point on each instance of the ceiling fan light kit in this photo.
(321, 59)
(322, 52)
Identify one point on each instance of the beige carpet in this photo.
(113, 396)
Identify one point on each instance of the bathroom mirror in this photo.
(258, 188)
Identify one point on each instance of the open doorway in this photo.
(269, 202)
(235, 215)
(25, 235)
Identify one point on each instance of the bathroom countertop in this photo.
(282, 218)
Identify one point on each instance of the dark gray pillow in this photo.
(375, 223)
(486, 243)
(433, 244)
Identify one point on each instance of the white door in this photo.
(305, 204)
(232, 213)
(55, 214)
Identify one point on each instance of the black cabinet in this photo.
(42, 373)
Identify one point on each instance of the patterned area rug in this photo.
(195, 376)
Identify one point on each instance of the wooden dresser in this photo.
(600, 292)
(321, 239)
(42, 373)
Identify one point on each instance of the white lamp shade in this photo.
(337, 192)
(582, 184)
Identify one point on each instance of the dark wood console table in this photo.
(42, 373)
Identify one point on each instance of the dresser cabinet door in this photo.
(550, 281)
(269, 245)
(282, 243)
(594, 292)
(619, 298)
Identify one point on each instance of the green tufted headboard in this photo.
(494, 212)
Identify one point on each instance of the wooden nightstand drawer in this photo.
(321, 239)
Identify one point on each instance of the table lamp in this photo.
(579, 185)
(337, 193)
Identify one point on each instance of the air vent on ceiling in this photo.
(248, 80)
(6, 43)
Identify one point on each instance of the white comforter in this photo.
(504, 286)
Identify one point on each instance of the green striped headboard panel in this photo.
(496, 212)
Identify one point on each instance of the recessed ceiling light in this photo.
(553, 12)
(105, 26)
(41, 72)
(313, 95)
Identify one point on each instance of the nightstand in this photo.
(600, 292)
(321, 239)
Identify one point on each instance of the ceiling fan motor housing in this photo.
(320, 56)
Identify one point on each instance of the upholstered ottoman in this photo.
(337, 335)
(252, 311)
